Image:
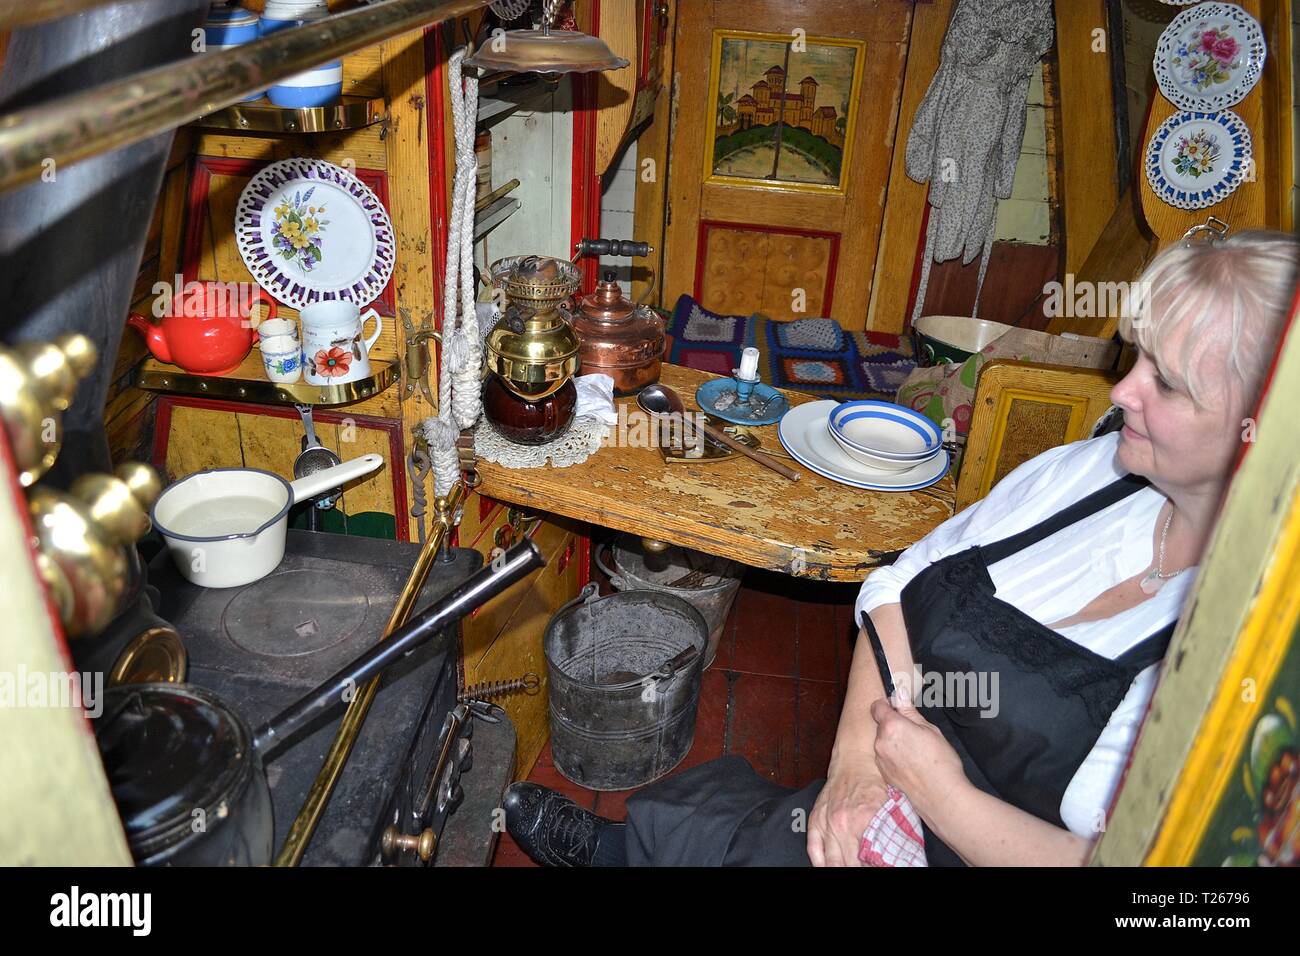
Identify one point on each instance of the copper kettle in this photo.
(622, 339)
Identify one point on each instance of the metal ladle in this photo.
(659, 399)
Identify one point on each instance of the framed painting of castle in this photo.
(785, 109)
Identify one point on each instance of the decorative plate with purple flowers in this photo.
(310, 231)
(1210, 57)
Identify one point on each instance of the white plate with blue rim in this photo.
(805, 434)
(1195, 160)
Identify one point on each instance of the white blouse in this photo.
(1057, 577)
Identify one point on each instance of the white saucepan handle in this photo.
(313, 485)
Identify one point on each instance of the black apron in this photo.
(1055, 697)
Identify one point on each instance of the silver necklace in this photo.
(1157, 576)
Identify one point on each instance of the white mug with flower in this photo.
(334, 351)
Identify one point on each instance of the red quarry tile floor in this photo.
(772, 694)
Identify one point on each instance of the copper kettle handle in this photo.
(623, 248)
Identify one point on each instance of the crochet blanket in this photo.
(809, 355)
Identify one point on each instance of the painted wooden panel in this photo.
(745, 270)
(1021, 410)
(200, 438)
(850, 202)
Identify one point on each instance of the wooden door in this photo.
(781, 153)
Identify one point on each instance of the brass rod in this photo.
(496, 194)
(132, 109)
(322, 788)
(34, 11)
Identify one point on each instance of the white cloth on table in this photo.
(1057, 577)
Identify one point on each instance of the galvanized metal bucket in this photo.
(707, 583)
(624, 686)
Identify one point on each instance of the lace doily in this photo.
(580, 442)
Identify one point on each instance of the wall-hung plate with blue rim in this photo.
(718, 397)
(1195, 160)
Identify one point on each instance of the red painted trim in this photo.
(832, 264)
(585, 210)
(396, 460)
(648, 11)
(205, 167)
(434, 82)
(584, 561)
(17, 499)
(916, 265)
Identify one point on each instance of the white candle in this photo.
(749, 364)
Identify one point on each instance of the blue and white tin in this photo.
(321, 86)
(230, 26)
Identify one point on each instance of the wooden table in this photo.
(737, 509)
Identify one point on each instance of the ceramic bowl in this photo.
(952, 339)
(885, 431)
(878, 462)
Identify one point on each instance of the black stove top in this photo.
(262, 646)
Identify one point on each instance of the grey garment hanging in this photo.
(966, 135)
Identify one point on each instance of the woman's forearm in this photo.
(986, 831)
(856, 734)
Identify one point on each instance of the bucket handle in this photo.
(614, 578)
(588, 594)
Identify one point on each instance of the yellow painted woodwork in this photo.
(1087, 126)
(55, 804)
(737, 509)
(905, 200)
(855, 215)
(616, 89)
(1021, 410)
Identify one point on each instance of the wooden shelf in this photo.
(506, 100)
(263, 116)
(494, 215)
(248, 383)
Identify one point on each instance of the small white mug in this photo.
(275, 328)
(333, 348)
(282, 359)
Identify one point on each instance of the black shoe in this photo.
(550, 827)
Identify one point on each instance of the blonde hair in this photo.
(1241, 287)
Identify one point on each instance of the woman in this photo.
(1060, 589)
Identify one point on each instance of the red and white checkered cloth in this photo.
(894, 836)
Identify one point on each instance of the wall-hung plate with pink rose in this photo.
(1209, 57)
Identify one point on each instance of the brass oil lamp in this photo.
(533, 352)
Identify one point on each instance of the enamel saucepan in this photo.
(187, 771)
(226, 527)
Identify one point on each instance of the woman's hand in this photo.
(840, 816)
(912, 754)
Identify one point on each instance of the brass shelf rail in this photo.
(132, 109)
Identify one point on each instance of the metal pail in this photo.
(624, 686)
(709, 585)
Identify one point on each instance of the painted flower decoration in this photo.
(1225, 48)
(332, 363)
(298, 230)
(1208, 57)
(1196, 154)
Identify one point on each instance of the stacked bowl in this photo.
(320, 86)
(884, 436)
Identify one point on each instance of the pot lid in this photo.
(174, 755)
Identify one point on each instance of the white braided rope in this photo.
(459, 399)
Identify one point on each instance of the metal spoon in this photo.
(659, 399)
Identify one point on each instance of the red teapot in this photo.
(207, 328)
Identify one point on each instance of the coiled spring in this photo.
(530, 683)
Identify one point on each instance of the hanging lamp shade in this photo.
(545, 51)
